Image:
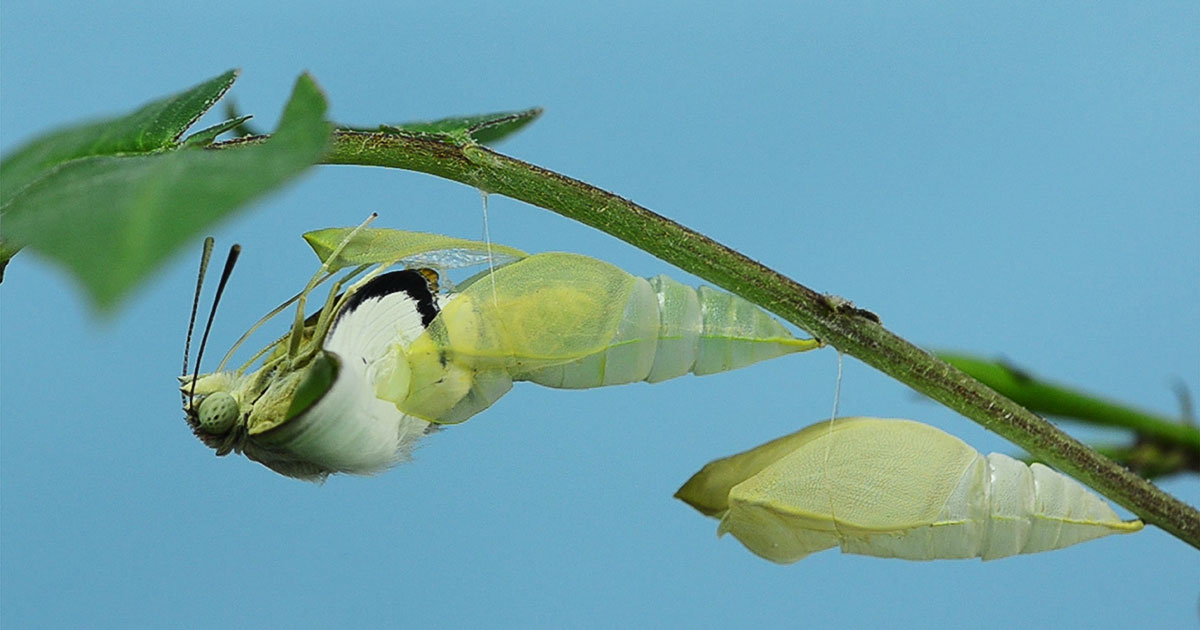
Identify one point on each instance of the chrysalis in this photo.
(570, 321)
(352, 387)
(893, 489)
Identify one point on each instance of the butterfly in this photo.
(393, 354)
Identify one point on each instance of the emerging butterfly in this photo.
(893, 489)
(352, 387)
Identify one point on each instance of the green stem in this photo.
(828, 318)
(1054, 400)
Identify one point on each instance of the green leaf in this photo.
(205, 137)
(157, 125)
(231, 112)
(6, 253)
(113, 219)
(483, 128)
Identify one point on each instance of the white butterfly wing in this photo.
(349, 429)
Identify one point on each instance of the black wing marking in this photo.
(410, 281)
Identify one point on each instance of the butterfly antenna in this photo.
(205, 255)
(230, 260)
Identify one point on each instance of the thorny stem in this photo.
(828, 318)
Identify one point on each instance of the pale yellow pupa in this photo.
(894, 489)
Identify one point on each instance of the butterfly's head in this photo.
(215, 408)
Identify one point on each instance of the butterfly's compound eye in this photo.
(218, 412)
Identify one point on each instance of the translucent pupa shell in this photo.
(571, 321)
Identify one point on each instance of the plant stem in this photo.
(828, 318)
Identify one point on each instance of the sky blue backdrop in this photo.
(1020, 181)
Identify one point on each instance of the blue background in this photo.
(1020, 181)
